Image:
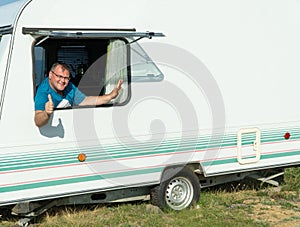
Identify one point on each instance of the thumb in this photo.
(49, 98)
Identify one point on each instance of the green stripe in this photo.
(79, 179)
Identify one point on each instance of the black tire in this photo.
(179, 189)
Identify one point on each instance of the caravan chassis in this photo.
(29, 210)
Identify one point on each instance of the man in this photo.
(57, 92)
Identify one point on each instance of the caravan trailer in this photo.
(209, 95)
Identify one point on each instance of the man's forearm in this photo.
(99, 100)
(41, 118)
(95, 100)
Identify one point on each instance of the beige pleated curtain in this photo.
(116, 69)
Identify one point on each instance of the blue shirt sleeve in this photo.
(40, 101)
(41, 98)
(79, 96)
(73, 94)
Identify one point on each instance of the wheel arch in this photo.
(194, 167)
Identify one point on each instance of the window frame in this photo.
(41, 39)
(129, 36)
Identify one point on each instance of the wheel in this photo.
(179, 189)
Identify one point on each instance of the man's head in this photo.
(59, 77)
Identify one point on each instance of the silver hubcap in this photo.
(179, 193)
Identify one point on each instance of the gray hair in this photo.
(63, 65)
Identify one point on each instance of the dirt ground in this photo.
(275, 211)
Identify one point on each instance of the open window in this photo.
(143, 69)
(97, 58)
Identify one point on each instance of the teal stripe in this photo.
(264, 156)
(63, 157)
(79, 179)
(168, 143)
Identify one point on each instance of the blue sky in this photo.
(3, 2)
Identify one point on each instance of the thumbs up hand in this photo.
(49, 106)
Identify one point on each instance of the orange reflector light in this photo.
(287, 135)
(81, 157)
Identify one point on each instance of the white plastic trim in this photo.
(256, 145)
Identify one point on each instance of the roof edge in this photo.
(9, 12)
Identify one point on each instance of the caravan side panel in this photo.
(228, 66)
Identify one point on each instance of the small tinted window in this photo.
(143, 69)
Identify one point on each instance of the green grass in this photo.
(217, 207)
(292, 179)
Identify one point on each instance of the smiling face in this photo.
(59, 78)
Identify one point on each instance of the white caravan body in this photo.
(218, 92)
